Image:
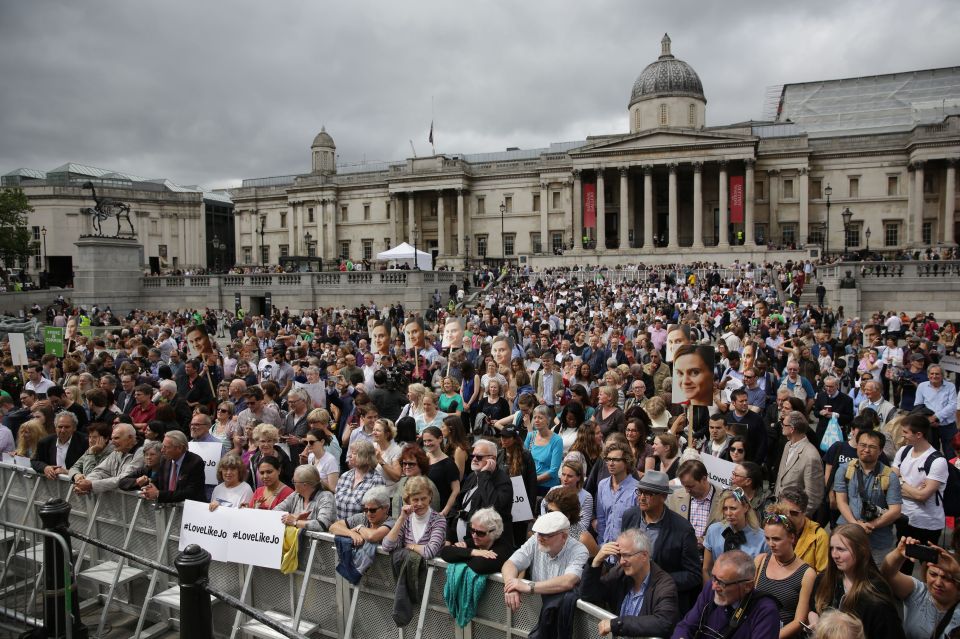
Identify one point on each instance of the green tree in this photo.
(16, 244)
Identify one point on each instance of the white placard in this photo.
(521, 506)
(238, 535)
(211, 453)
(209, 530)
(22, 462)
(18, 349)
(719, 471)
(950, 363)
(317, 393)
(257, 537)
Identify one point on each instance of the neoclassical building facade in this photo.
(883, 147)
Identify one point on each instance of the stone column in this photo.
(544, 217)
(748, 197)
(672, 209)
(697, 205)
(577, 210)
(318, 231)
(182, 259)
(624, 207)
(648, 207)
(334, 253)
(774, 212)
(410, 219)
(723, 224)
(291, 229)
(918, 203)
(804, 205)
(461, 230)
(237, 236)
(601, 212)
(441, 227)
(951, 201)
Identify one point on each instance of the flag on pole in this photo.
(430, 139)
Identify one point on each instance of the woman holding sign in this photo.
(311, 505)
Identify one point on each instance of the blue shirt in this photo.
(713, 540)
(611, 505)
(634, 600)
(547, 458)
(942, 401)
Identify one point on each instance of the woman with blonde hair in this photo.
(414, 407)
(387, 449)
(419, 527)
(28, 437)
(739, 530)
(266, 437)
(608, 414)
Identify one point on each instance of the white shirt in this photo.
(62, 453)
(927, 514)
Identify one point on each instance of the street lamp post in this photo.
(466, 252)
(416, 250)
(867, 234)
(503, 239)
(828, 191)
(43, 233)
(263, 224)
(219, 247)
(846, 215)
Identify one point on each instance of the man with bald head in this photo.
(238, 395)
(126, 455)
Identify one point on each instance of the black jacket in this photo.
(493, 489)
(754, 432)
(842, 405)
(47, 452)
(190, 480)
(675, 551)
(659, 612)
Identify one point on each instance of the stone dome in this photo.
(667, 77)
(323, 139)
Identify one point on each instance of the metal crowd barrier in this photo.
(314, 600)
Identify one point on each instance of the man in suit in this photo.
(124, 399)
(674, 542)
(547, 381)
(58, 452)
(651, 615)
(181, 475)
(488, 486)
(839, 404)
(615, 352)
(800, 464)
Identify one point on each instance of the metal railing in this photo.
(314, 600)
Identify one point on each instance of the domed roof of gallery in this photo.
(667, 77)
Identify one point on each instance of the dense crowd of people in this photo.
(589, 400)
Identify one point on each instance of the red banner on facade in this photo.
(589, 205)
(736, 199)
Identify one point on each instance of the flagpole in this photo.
(432, 146)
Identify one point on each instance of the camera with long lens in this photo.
(869, 512)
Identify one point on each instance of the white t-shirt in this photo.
(929, 514)
(326, 465)
(232, 497)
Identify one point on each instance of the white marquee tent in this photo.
(404, 254)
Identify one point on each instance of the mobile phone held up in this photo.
(922, 553)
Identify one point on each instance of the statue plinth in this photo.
(108, 271)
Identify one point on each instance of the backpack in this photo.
(884, 474)
(951, 492)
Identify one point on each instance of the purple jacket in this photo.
(762, 619)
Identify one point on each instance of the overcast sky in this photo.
(213, 92)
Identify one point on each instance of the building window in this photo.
(264, 255)
(310, 215)
(247, 255)
(481, 246)
(788, 189)
(36, 233)
(789, 234)
(928, 233)
(760, 233)
(283, 220)
(816, 189)
(284, 250)
(312, 249)
(343, 213)
(815, 236)
(345, 250)
(155, 227)
(854, 188)
(758, 193)
(556, 242)
(535, 243)
(556, 200)
(386, 244)
(388, 210)
(929, 183)
(893, 185)
(508, 202)
(481, 205)
(663, 115)
(852, 236)
(536, 202)
(509, 242)
(891, 234)
(37, 255)
(636, 120)
(366, 211)
(692, 115)
(367, 249)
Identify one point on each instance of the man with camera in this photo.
(868, 493)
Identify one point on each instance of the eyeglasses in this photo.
(645, 493)
(794, 513)
(408, 464)
(222, 410)
(628, 555)
(749, 376)
(479, 533)
(612, 459)
(311, 442)
(736, 450)
(480, 457)
(370, 511)
(727, 584)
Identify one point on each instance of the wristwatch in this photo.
(533, 587)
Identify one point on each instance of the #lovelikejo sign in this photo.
(238, 535)
(719, 471)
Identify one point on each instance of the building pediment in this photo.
(662, 139)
